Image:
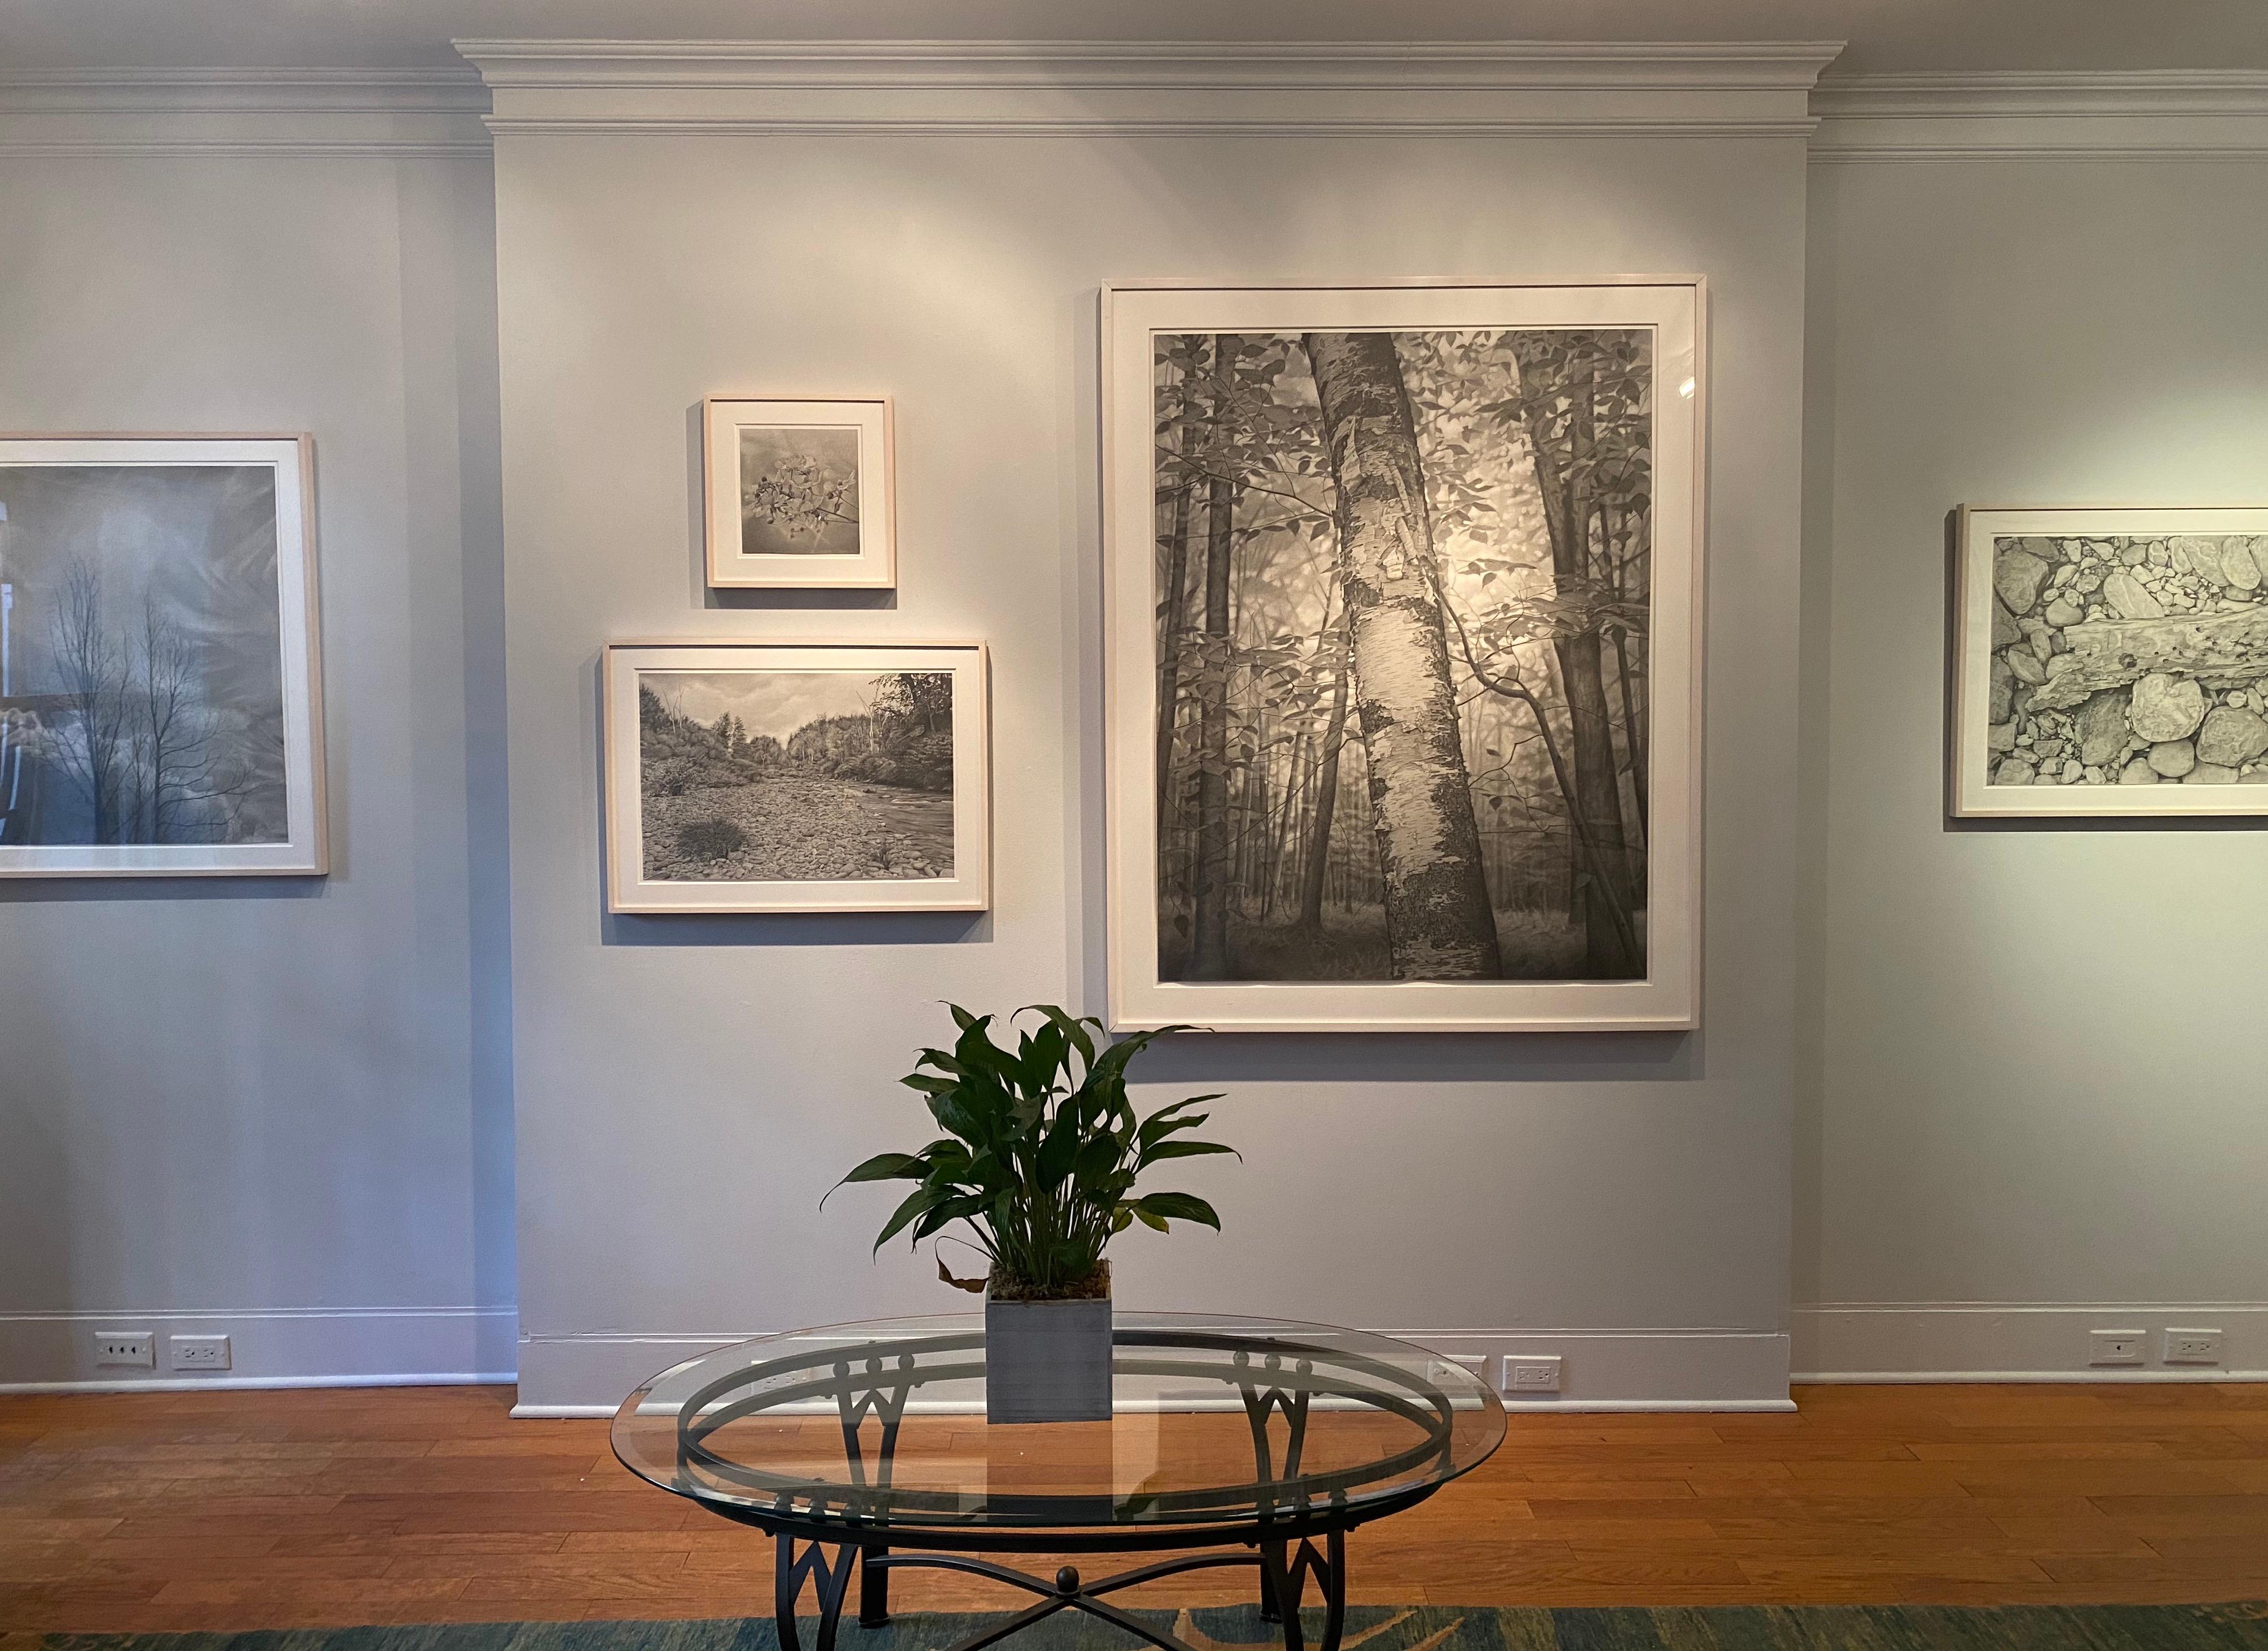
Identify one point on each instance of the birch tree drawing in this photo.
(1403, 600)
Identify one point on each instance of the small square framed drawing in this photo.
(799, 494)
(160, 689)
(2111, 662)
(797, 777)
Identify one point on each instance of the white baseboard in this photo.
(2017, 1341)
(1603, 1369)
(272, 1347)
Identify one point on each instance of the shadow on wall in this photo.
(775, 928)
(57, 890)
(1426, 1058)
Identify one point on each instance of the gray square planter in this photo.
(1047, 1361)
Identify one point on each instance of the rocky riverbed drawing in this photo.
(795, 776)
(2128, 660)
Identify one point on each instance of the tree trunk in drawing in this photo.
(1173, 614)
(1439, 921)
(1596, 800)
(1209, 936)
(1326, 800)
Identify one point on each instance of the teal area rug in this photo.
(1373, 1628)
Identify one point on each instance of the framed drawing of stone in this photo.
(160, 689)
(797, 777)
(1403, 650)
(799, 494)
(2111, 662)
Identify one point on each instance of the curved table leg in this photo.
(832, 1577)
(1284, 1572)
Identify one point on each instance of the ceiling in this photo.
(1883, 35)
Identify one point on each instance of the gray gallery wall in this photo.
(2033, 1093)
(2009, 1077)
(278, 1109)
(687, 1088)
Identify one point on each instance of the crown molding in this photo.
(2140, 115)
(309, 112)
(1045, 88)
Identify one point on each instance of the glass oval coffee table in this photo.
(1245, 1440)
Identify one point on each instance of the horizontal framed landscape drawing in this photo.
(800, 494)
(160, 688)
(1403, 600)
(2110, 661)
(803, 776)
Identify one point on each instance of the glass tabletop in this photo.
(1215, 1420)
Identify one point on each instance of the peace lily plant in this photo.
(1040, 1154)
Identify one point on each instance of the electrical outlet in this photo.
(197, 1353)
(2192, 1346)
(1531, 1373)
(125, 1347)
(2116, 1346)
(1475, 1362)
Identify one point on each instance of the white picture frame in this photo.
(160, 651)
(2140, 636)
(1663, 992)
(800, 494)
(904, 845)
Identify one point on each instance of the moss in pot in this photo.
(1039, 1160)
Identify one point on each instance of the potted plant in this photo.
(1039, 1160)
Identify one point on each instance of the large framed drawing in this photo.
(1402, 598)
(2111, 662)
(803, 776)
(160, 689)
(800, 494)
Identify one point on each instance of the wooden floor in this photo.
(250, 1509)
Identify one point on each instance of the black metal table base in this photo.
(1285, 1569)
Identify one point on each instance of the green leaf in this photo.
(919, 1201)
(951, 1210)
(1074, 1031)
(1059, 1149)
(1184, 1149)
(888, 1167)
(1098, 1156)
(1162, 1121)
(1179, 1206)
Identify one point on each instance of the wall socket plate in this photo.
(1531, 1373)
(2116, 1346)
(133, 1347)
(2192, 1346)
(197, 1353)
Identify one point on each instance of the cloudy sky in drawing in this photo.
(777, 702)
